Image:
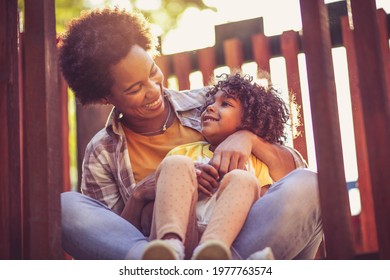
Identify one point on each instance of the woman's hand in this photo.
(145, 190)
(233, 152)
(135, 210)
(207, 177)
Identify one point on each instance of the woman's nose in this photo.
(153, 86)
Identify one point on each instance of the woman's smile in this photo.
(155, 105)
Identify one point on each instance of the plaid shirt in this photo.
(107, 172)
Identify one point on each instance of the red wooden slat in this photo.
(376, 112)
(331, 178)
(63, 95)
(43, 163)
(207, 63)
(261, 51)
(367, 222)
(10, 137)
(234, 55)
(163, 63)
(182, 68)
(290, 50)
(384, 44)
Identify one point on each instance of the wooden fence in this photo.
(35, 165)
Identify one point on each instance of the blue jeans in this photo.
(287, 219)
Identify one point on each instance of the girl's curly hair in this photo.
(264, 112)
(96, 40)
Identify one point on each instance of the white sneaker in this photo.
(212, 250)
(265, 254)
(168, 249)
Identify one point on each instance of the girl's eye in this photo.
(225, 104)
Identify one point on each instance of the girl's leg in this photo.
(90, 230)
(176, 197)
(287, 219)
(237, 192)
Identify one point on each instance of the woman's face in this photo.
(137, 89)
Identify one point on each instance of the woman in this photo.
(106, 57)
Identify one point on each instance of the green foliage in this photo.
(166, 16)
(65, 11)
(169, 12)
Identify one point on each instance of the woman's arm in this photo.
(235, 150)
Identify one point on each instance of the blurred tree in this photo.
(165, 14)
(168, 14)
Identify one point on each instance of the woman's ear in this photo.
(104, 101)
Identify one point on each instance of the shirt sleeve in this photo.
(298, 159)
(98, 181)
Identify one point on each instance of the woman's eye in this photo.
(154, 71)
(135, 90)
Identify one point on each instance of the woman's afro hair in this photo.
(95, 41)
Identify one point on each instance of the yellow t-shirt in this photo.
(200, 152)
(146, 152)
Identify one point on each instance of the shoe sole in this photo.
(214, 251)
(158, 250)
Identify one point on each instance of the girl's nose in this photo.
(210, 108)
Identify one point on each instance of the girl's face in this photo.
(137, 90)
(221, 118)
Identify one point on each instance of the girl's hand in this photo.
(207, 178)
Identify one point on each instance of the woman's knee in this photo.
(299, 188)
(70, 202)
(303, 180)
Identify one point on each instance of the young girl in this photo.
(220, 210)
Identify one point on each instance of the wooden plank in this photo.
(43, 165)
(10, 138)
(384, 45)
(64, 117)
(290, 50)
(367, 221)
(261, 51)
(207, 62)
(182, 67)
(376, 112)
(234, 54)
(331, 179)
(163, 62)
